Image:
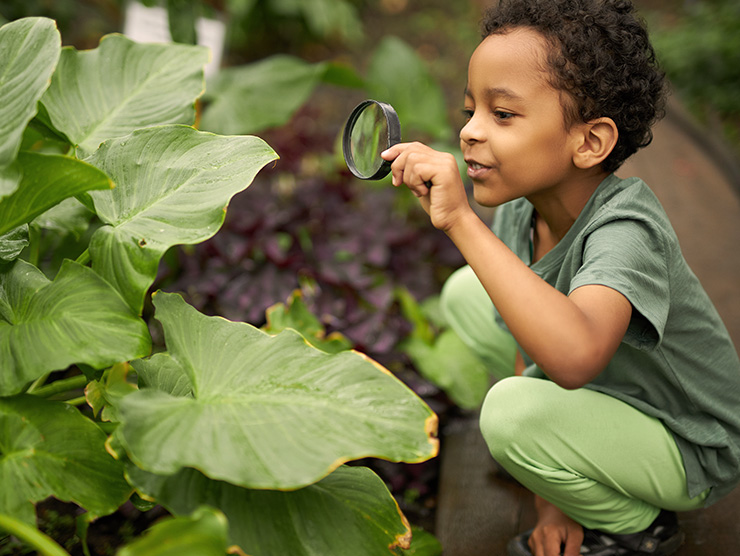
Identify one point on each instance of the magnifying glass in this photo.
(371, 128)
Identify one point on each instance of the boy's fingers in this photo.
(413, 175)
(552, 546)
(397, 178)
(413, 164)
(392, 152)
(397, 149)
(573, 545)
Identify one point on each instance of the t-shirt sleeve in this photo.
(629, 257)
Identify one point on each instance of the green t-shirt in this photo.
(677, 361)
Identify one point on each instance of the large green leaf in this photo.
(422, 544)
(49, 449)
(173, 185)
(248, 99)
(29, 51)
(204, 533)
(10, 177)
(12, 243)
(47, 180)
(267, 411)
(121, 86)
(47, 326)
(167, 375)
(350, 508)
(70, 217)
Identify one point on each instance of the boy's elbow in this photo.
(570, 383)
(575, 369)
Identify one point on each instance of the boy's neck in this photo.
(557, 210)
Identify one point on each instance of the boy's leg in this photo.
(605, 464)
(469, 312)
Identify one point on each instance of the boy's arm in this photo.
(571, 338)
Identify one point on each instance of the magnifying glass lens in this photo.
(372, 127)
(368, 139)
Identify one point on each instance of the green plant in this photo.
(242, 99)
(440, 355)
(255, 426)
(397, 75)
(204, 533)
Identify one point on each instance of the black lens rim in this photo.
(393, 137)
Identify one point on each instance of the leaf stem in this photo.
(59, 386)
(32, 536)
(38, 383)
(34, 240)
(84, 258)
(76, 401)
(83, 524)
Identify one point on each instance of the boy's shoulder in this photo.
(626, 199)
(628, 204)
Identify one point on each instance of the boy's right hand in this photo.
(555, 533)
(433, 177)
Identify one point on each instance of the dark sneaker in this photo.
(663, 537)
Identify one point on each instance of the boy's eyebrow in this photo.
(497, 92)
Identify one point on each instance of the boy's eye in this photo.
(502, 115)
(468, 113)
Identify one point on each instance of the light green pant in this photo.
(469, 311)
(605, 464)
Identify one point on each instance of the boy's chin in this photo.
(485, 198)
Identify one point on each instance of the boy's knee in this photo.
(456, 293)
(500, 416)
(514, 411)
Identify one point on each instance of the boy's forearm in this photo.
(548, 325)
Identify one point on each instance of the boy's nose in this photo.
(470, 132)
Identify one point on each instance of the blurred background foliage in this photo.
(698, 43)
(698, 40)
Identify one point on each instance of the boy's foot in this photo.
(663, 537)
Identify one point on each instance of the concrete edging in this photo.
(715, 147)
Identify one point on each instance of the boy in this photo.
(628, 407)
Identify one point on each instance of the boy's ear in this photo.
(596, 140)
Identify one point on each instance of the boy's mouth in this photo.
(476, 169)
(472, 163)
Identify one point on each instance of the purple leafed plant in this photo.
(347, 244)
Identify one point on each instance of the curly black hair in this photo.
(601, 56)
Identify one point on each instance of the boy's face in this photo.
(515, 141)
